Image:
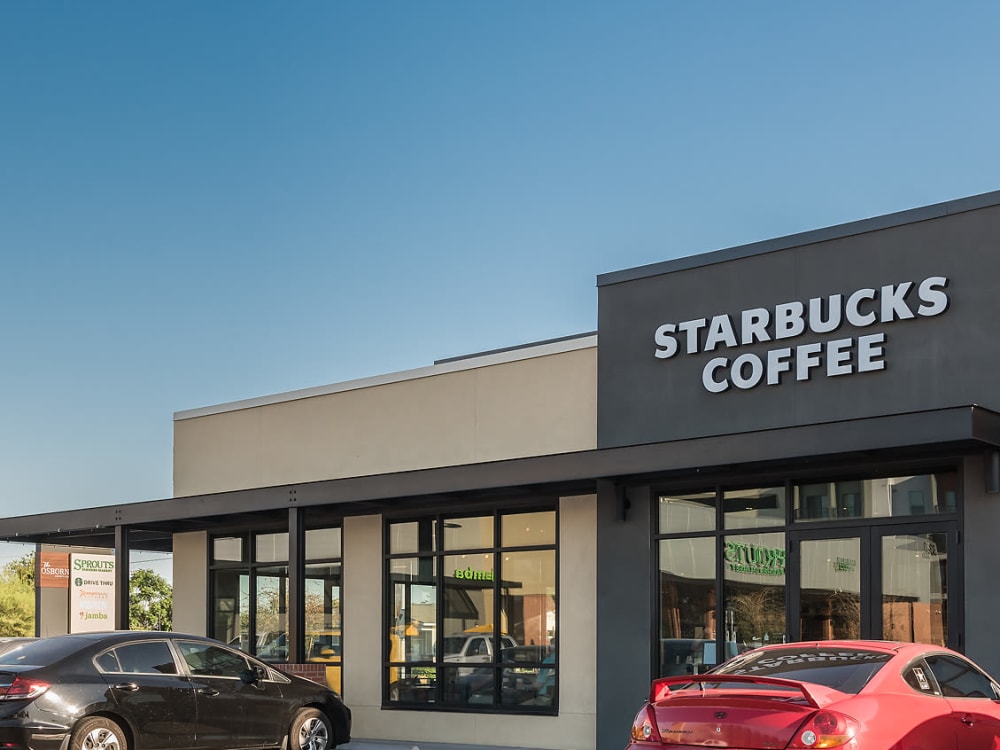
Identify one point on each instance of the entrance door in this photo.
(886, 582)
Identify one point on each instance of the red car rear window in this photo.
(847, 670)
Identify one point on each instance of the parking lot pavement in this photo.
(395, 745)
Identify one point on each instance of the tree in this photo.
(17, 597)
(150, 601)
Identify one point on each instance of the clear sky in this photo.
(202, 202)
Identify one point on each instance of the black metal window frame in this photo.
(438, 518)
(250, 565)
(792, 527)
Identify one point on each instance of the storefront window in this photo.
(468, 533)
(749, 509)
(754, 580)
(271, 548)
(251, 597)
(231, 607)
(740, 537)
(271, 610)
(684, 513)
(687, 605)
(890, 497)
(323, 616)
(696, 629)
(473, 625)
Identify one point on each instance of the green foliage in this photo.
(17, 597)
(150, 601)
(22, 569)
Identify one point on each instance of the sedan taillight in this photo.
(644, 727)
(22, 688)
(825, 729)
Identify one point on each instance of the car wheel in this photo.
(98, 733)
(311, 730)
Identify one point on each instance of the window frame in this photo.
(437, 553)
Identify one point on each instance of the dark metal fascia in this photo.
(569, 472)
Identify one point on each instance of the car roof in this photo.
(114, 636)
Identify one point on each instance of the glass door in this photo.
(887, 582)
(830, 588)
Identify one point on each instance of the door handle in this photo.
(129, 686)
(968, 720)
(208, 691)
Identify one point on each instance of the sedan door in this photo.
(146, 684)
(973, 698)
(238, 704)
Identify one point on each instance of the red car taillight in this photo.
(825, 729)
(644, 727)
(22, 688)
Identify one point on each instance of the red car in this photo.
(855, 695)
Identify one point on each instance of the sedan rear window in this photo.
(146, 657)
(40, 652)
(846, 670)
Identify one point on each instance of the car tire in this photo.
(311, 730)
(98, 733)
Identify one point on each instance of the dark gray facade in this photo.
(904, 317)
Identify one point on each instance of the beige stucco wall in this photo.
(190, 582)
(532, 402)
(575, 726)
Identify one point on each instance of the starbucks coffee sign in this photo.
(870, 311)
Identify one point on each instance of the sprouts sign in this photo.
(92, 593)
(790, 329)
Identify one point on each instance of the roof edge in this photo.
(456, 364)
(837, 231)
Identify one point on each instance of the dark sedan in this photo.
(152, 691)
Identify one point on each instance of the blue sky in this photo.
(204, 202)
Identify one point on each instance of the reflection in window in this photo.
(830, 586)
(475, 627)
(681, 513)
(746, 509)
(686, 594)
(250, 598)
(960, 679)
(468, 533)
(754, 575)
(147, 657)
(271, 621)
(269, 548)
(231, 607)
(212, 661)
(415, 604)
(523, 529)
(914, 588)
(877, 498)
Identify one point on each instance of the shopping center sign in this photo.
(92, 593)
(868, 308)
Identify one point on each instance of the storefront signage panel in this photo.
(92, 593)
(53, 570)
(894, 320)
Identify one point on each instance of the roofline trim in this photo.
(442, 367)
(838, 231)
(945, 428)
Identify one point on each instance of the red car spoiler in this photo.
(660, 689)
